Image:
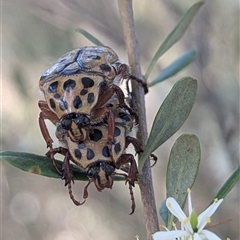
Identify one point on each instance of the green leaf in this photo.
(163, 212)
(42, 165)
(175, 67)
(174, 35)
(182, 169)
(171, 115)
(229, 184)
(89, 36)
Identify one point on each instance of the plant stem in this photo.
(145, 183)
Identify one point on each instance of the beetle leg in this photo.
(105, 95)
(153, 158)
(66, 170)
(133, 171)
(132, 199)
(46, 113)
(123, 69)
(144, 84)
(135, 143)
(51, 154)
(138, 148)
(122, 103)
(130, 189)
(67, 176)
(44, 130)
(108, 92)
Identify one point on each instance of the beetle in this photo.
(78, 85)
(93, 154)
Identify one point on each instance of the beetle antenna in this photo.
(85, 191)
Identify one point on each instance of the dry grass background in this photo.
(36, 33)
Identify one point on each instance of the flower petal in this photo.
(209, 235)
(196, 236)
(204, 216)
(169, 235)
(175, 209)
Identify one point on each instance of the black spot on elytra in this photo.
(81, 145)
(96, 136)
(117, 132)
(77, 153)
(63, 105)
(52, 103)
(83, 92)
(87, 82)
(90, 98)
(57, 96)
(69, 85)
(117, 148)
(52, 88)
(77, 102)
(105, 67)
(125, 117)
(94, 57)
(90, 154)
(105, 151)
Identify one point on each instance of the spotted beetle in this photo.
(93, 153)
(83, 100)
(94, 156)
(77, 87)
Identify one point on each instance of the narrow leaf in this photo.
(182, 169)
(174, 35)
(89, 36)
(42, 165)
(171, 115)
(163, 212)
(175, 67)
(229, 184)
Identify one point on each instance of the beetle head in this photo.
(101, 175)
(80, 120)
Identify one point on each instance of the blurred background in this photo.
(37, 33)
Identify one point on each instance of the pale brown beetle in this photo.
(93, 154)
(76, 89)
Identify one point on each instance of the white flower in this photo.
(192, 227)
(137, 237)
